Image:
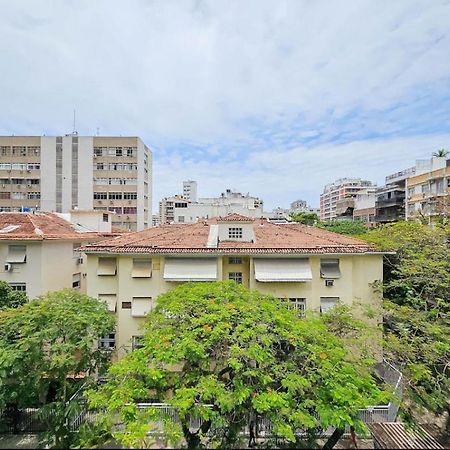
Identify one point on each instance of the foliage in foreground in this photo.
(348, 227)
(10, 298)
(222, 353)
(46, 347)
(417, 316)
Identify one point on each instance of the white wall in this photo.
(48, 173)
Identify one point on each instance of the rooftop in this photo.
(269, 238)
(45, 226)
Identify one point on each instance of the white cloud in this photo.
(244, 82)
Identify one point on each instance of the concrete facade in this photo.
(61, 173)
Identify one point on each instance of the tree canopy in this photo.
(349, 227)
(417, 311)
(46, 346)
(222, 353)
(306, 218)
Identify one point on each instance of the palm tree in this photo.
(441, 153)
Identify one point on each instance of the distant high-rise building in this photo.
(62, 173)
(179, 209)
(341, 188)
(190, 190)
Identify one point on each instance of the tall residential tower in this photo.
(62, 173)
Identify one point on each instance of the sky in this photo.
(272, 97)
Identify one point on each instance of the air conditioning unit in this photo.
(3, 185)
(129, 202)
(95, 156)
(100, 202)
(8, 267)
(329, 283)
(28, 170)
(111, 202)
(80, 260)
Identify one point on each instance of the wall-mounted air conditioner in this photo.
(8, 267)
(329, 283)
(80, 260)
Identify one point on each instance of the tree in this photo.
(10, 298)
(441, 153)
(349, 227)
(306, 218)
(46, 347)
(227, 355)
(417, 311)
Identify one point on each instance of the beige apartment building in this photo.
(62, 173)
(428, 190)
(309, 268)
(39, 252)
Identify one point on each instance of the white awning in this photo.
(110, 299)
(142, 268)
(107, 266)
(274, 270)
(190, 269)
(141, 306)
(17, 254)
(329, 268)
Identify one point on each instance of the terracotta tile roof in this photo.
(269, 238)
(235, 218)
(43, 226)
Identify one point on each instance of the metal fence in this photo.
(27, 420)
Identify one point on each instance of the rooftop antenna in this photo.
(74, 122)
(98, 131)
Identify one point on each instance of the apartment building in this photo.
(428, 190)
(61, 173)
(190, 190)
(364, 206)
(39, 252)
(339, 189)
(179, 209)
(307, 267)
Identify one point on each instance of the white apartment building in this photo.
(62, 173)
(190, 190)
(178, 209)
(341, 188)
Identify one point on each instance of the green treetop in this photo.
(222, 353)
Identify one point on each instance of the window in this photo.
(33, 166)
(34, 195)
(235, 276)
(110, 300)
(115, 209)
(131, 151)
(108, 341)
(17, 166)
(295, 304)
(5, 150)
(76, 280)
(98, 151)
(141, 306)
(126, 305)
(440, 186)
(99, 166)
(129, 210)
(180, 205)
(101, 181)
(181, 219)
(116, 181)
(17, 181)
(329, 268)
(115, 195)
(105, 217)
(142, 268)
(100, 195)
(136, 342)
(234, 260)
(17, 254)
(5, 195)
(107, 266)
(34, 151)
(327, 303)
(411, 191)
(22, 287)
(33, 181)
(5, 166)
(425, 188)
(130, 195)
(235, 233)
